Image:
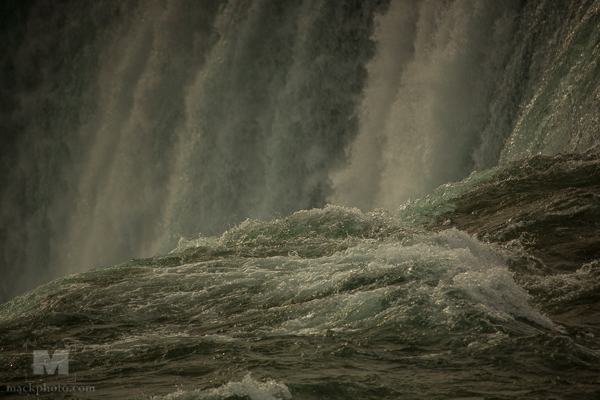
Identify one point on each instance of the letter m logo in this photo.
(59, 361)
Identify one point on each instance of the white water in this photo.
(396, 281)
(248, 387)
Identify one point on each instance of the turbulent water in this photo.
(331, 200)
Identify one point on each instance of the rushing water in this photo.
(345, 200)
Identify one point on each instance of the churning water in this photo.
(319, 199)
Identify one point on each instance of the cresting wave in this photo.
(319, 298)
(319, 268)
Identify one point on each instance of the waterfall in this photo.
(130, 124)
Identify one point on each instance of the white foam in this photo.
(383, 282)
(268, 390)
